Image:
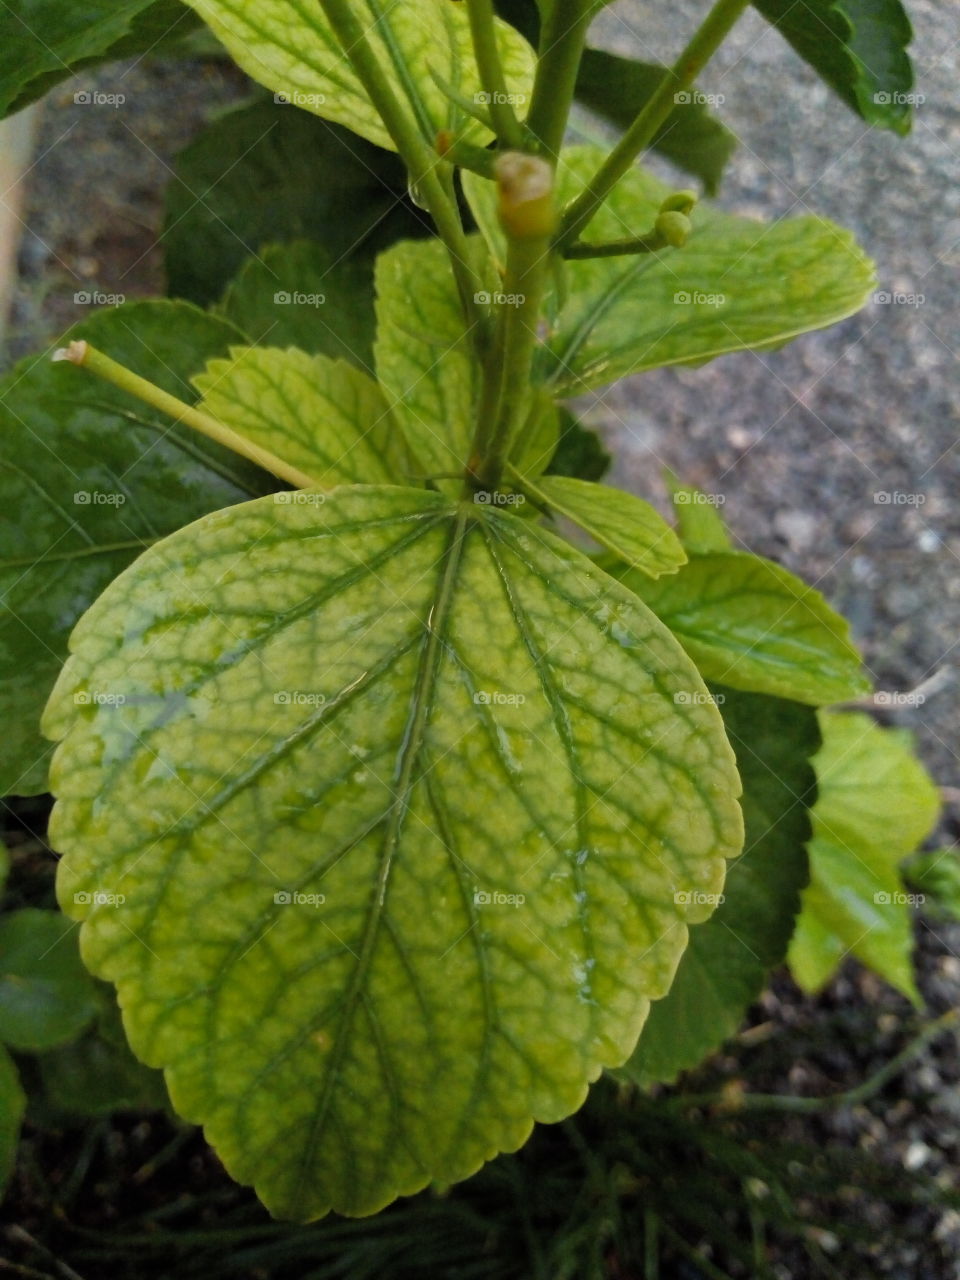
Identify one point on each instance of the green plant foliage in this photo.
(735, 285)
(752, 625)
(108, 478)
(294, 51)
(325, 417)
(267, 173)
(46, 995)
(423, 353)
(691, 137)
(419, 712)
(937, 876)
(580, 452)
(859, 47)
(875, 804)
(97, 1074)
(727, 961)
(629, 527)
(699, 523)
(299, 294)
(13, 1104)
(45, 41)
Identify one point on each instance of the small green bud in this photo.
(525, 188)
(679, 202)
(674, 227)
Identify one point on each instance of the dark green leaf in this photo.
(46, 995)
(858, 47)
(269, 172)
(726, 962)
(97, 1074)
(88, 477)
(691, 137)
(45, 41)
(580, 452)
(301, 295)
(752, 624)
(13, 1103)
(937, 876)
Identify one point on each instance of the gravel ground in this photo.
(796, 441)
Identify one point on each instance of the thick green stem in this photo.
(562, 39)
(708, 38)
(484, 31)
(420, 159)
(525, 278)
(87, 357)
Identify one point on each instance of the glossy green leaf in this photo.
(88, 477)
(292, 50)
(45, 41)
(626, 525)
(423, 353)
(580, 452)
(858, 47)
(267, 173)
(875, 804)
(302, 295)
(325, 417)
(97, 1074)
(400, 796)
(699, 523)
(46, 995)
(13, 1104)
(534, 446)
(691, 137)
(753, 625)
(736, 284)
(726, 964)
(937, 876)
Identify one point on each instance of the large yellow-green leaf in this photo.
(410, 806)
(736, 283)
(753, 625)
(325, 417)
(291, 48)
(875, 804)
(423, 353)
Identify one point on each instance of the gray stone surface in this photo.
(799, 441)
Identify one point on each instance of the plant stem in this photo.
(617, 248)
(87, 357)
(483, 29)
(562, 39)
(707, 39)
(414, 149)
(849, 1098)
(526, 272)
